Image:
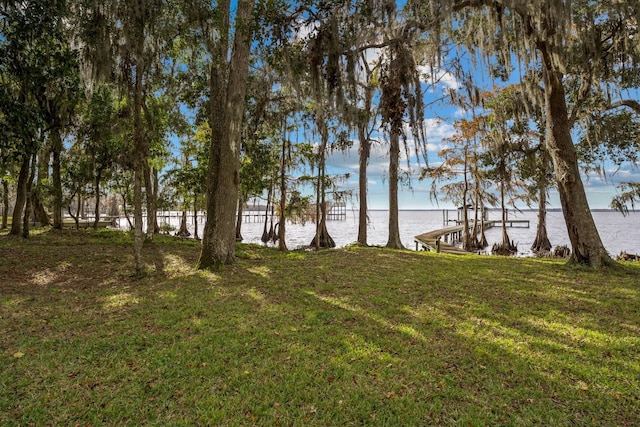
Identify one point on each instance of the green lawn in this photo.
(356, 336)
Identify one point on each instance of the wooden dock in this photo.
(511, 223)
(108, 221)
(441, 240)
(444, 239)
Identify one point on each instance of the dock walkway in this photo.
(443, 239)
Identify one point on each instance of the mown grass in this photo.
(356, 336)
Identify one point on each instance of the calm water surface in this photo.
(618, 233)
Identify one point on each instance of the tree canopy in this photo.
(100, 95)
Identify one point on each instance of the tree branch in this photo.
(634, 105)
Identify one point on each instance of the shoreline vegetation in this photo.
(350, 336)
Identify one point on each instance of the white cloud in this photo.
(438, 77)
(438, 130)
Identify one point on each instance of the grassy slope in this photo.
(344, 337)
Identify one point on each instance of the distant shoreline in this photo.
(355, 209)
(489, 209)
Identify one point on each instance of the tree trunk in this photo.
(36, 194)
(56, 150)
(82, 208)
(138, 175)
(21, 196)
(138, 238)
(466, 241)
(38, 207)
(265, 235)
(482, 241)
(506, 242)
(239, 220)
(5, 203)
(195, 216)
(504, 248)
(124, 210)
(394, 164)
(322, 239)
(75, 217)
(541, 244)
(282, 244)
(365, 153)
(150, 183)
(315, 243)
(183, 231)
(219, 243)
(587, 247)
(27, 209)
(97, 197)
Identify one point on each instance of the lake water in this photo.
(617, 232)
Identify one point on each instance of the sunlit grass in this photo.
(357, 336)
(120, 300)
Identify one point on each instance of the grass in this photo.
(356, 336)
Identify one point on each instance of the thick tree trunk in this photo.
(21, 196)
(322, 239)
(38, 207)
(587, 247)
(394, 240)
(138, 175)
(183, 231)
(365, 153)
(5, 203)
(219, 243)
(56, 150)
(82, 208)
(541, 244)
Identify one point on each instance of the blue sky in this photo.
(600, 190)
(439, 120)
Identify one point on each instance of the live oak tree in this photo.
(48, 77)
(24, 50)
(128, 41)
(228, 76)
(100, 139)
(549, 40)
